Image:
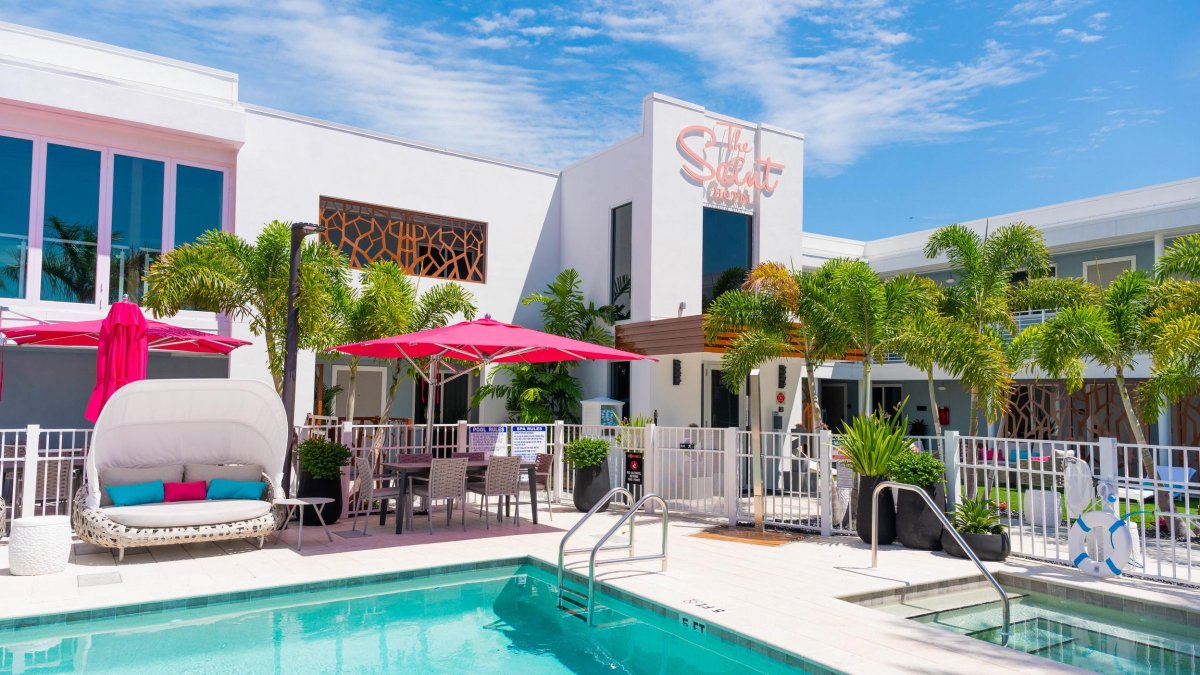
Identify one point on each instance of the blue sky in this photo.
(915, 114)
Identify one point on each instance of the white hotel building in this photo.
(110, 157)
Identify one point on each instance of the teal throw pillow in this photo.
(219, 488)
(138, 493)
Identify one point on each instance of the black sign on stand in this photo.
(634, 467)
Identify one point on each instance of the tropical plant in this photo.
(873, 442)
(1052, 293)
(630, 431)
(1174, 328)
(585, 452)
(545, 392)
(870, 313)
(1111, 334)
(223, 273)
(775, 310)
(917, 468)
(328, 394)
(979, 299)
(69, 263)
(321, 458)
(977, 515)
(390, 303)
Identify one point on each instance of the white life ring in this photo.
(1106, 534)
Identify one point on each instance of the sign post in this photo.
(635, 471)
(529, 440)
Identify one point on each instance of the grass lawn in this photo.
(1013, 497)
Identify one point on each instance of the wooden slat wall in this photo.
(684, 335)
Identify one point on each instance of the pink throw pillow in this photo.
(184, 492)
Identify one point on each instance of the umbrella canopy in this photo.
(489, 341)
(159, 336)
(121, 354)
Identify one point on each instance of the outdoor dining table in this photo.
(402, 470)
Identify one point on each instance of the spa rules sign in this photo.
(722, 159)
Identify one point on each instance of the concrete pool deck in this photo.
(786, 596)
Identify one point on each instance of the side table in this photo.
(39, 545)
(294, 503)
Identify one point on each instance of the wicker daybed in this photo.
(194, 428)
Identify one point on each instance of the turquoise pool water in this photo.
(495, 620)
(1094, 638)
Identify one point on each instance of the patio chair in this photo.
(541, 474)
(503, 479)
(447, 481)
(364, 476)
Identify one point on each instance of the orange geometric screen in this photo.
(424, 244)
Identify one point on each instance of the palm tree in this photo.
(1174, 335)
(223, 273)
(774, 310)
(389, 303)
(870, 313)
(1111, 334)
(983, 268)
(544, 392)
(69, 264)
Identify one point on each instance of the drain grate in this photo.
(99, 579)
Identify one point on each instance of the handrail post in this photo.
(33, 436)
(950, 458)
(560, 431)
(825, 461)
(953, 533)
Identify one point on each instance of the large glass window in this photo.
(198, 202)
(16, 177)
(726, 256)
(622, 259)
(137, 224)
(70, 221)
(424, 244)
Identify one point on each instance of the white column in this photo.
(950, 459)
(461, 436)
(825, 457)
(650, 432)
(29, 474)
(1164, 419)
(559, 435)
(733, 487)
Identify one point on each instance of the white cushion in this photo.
(187, 514)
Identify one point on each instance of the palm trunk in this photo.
(864, 396)
(973, 422)
(1162, 500)
(1139, 436)
(933, 406)
(353, 389)
(814, 403)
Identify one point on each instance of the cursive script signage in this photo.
(727, 166)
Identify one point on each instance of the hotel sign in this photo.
(727, 166)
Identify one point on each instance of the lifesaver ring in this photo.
(1106, 534)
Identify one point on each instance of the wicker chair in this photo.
(503, 479)
(541, 474)
(364, 472)
(54, 484)
(447, 481)
(3, 517)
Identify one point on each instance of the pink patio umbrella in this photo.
(109, 334)
(121, 354)
(482, 341)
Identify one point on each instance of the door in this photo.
(833, 406)
(452, 402)
(724, 406)
(368, 388)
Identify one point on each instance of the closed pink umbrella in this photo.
(121, 354)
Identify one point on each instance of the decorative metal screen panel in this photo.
(424, 244)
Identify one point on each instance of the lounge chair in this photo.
(184, 429)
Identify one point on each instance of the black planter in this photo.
(321, 487)
(591, 484)
(916, 526)
(887, 510)
(990, 547)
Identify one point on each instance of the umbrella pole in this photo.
(429, 394)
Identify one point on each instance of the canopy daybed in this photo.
(175, 431)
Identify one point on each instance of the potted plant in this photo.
(872, 443)
(321, 462)
(916, 525)
(978, 521)
(589, 457)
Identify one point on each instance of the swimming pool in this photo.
(1087, 629)
(491, 619)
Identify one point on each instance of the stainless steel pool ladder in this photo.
(953, 533)
(588, 600)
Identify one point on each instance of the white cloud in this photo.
(582, 32)
(1078, 35)
(1045, 19)
(1096, 21)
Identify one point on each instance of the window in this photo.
(1103, 272)
(621, 260)
(70, 224)
(137, 224)
(886, 397)
(618, 384)
(16, 179)
(1023, 275)
(726, 252)
(199, 202)
(423, 244)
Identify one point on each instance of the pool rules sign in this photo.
(634, 467)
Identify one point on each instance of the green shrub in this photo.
(321, 458)
(918, 468)
(873, 442)
(978, 516)
(585, 452)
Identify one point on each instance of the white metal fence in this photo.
(40, 470)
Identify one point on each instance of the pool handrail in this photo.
(953, 533)
(562, 545)
(630, 515)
